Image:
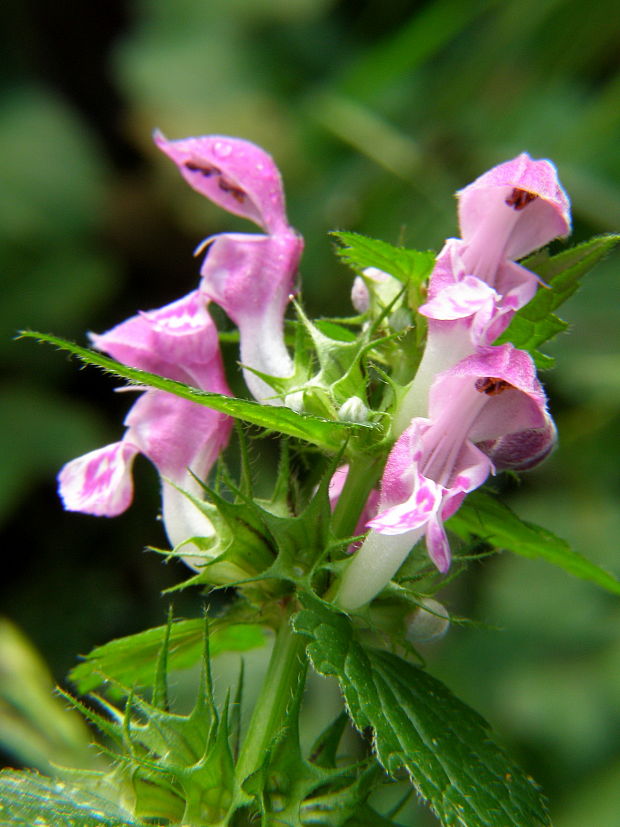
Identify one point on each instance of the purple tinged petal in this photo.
(236, 175)
(522, 450)
(99, 482)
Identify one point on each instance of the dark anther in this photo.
(491, 386)
(231, 189)
(519, 199)
(206, 169)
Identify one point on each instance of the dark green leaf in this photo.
(327, 434)
(408, 266)
(131, 660)
(484, 516)
(418, 725)
(536, 323)
(28, 799)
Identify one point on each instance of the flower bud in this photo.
(428, 623)
(360, 296)
(353, 410)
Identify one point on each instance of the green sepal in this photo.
(236, 551)
(328, 435)
(484, 516)
(419, 726)
(28, 799)
(168, 765)
(536, 323)
(340, 371)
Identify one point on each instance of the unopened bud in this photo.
(428, 623)
(353, 410)
(360, 296)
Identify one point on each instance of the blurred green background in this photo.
(376, 112)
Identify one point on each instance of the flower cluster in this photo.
(472, 407)
(251, 278)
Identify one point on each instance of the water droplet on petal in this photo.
(222, 149)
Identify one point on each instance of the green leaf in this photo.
(28, 799)
(418, 725)
(536, 323)
(408, 266)
(131, 660)
(36, 728)
(482, 515)
(329, 435)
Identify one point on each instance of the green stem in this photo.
(287, 666)
(364, 471)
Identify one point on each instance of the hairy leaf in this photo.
(482, 515)
(28, 799)
(419, 726)
(330, 435)
(408, 266)
(130, 660)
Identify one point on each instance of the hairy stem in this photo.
(287, 667)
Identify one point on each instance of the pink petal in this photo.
(399, 475)
(178, 341)
(235, 174)
(415, 512)
(528, 189)
(176, 434)
(251, 275)
(461, 299)
(99, 482)
(514, 403)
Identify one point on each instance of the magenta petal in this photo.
(99, 482)
(235, 174)
(399, 473)
(415, 512)
(437, 545)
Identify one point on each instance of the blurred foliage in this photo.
(376, 113)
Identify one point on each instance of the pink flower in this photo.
(250, 276)
(489, 403)
(476, 286)
(180, 437)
